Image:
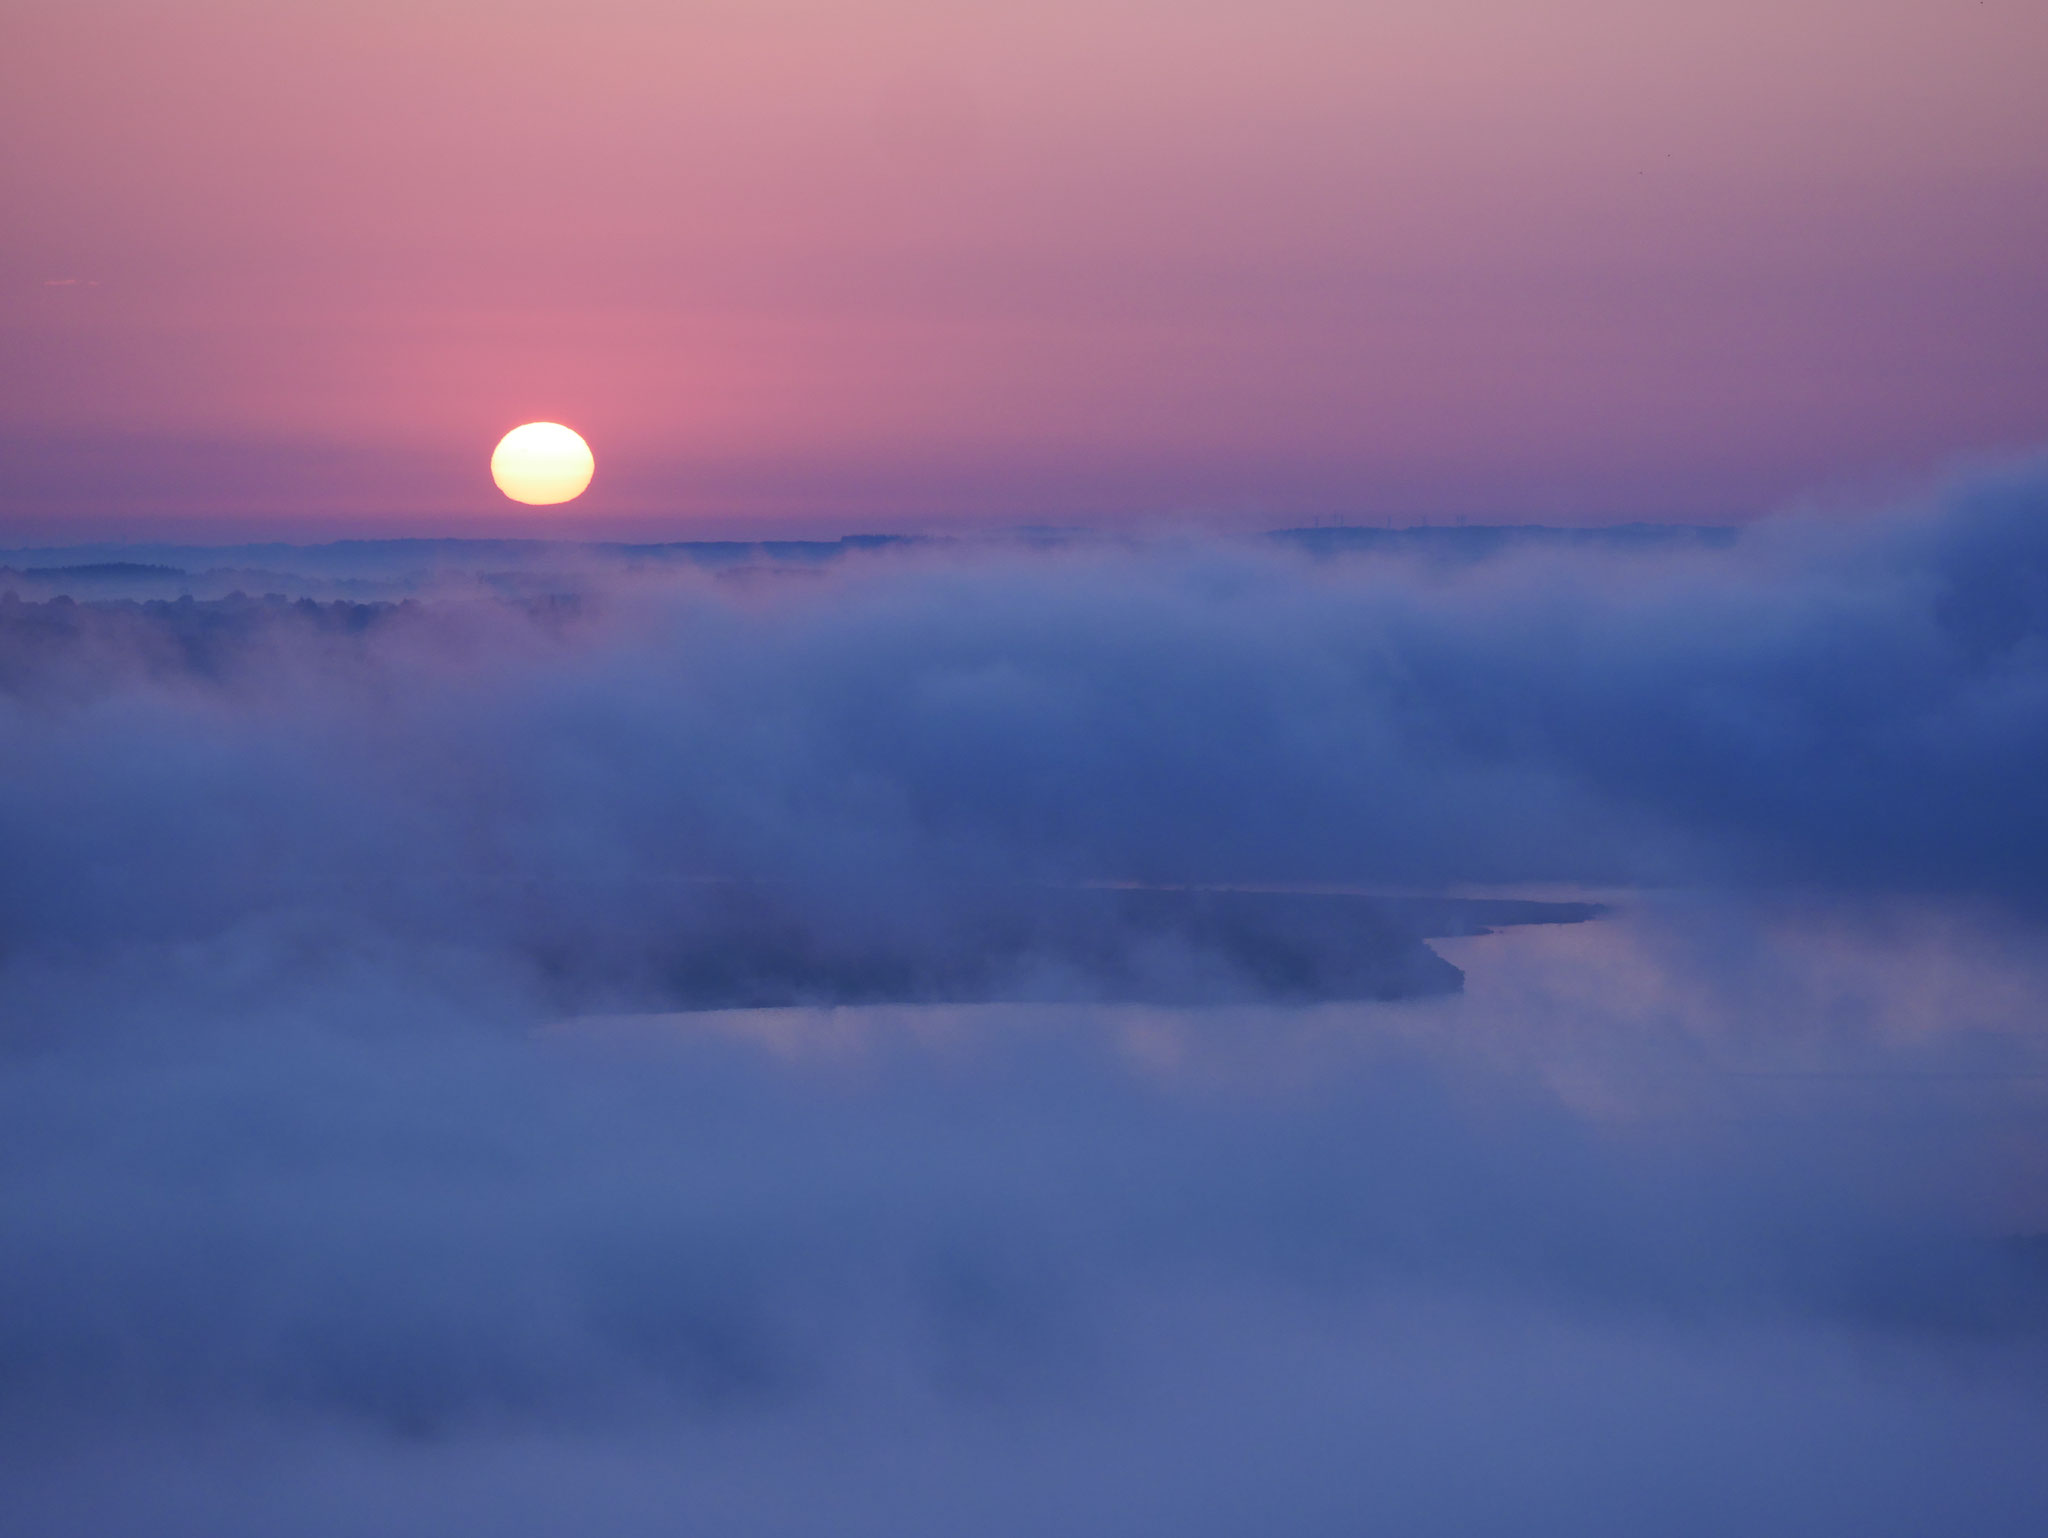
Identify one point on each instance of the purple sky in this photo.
(807, 267)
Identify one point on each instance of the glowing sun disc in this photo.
(542, 462)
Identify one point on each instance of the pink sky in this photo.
(796, 266)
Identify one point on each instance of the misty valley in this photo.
(1096, 1036)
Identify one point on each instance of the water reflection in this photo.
(1916, 1032)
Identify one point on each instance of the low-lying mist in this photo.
(370, 1156)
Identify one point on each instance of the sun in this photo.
(542, 462)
